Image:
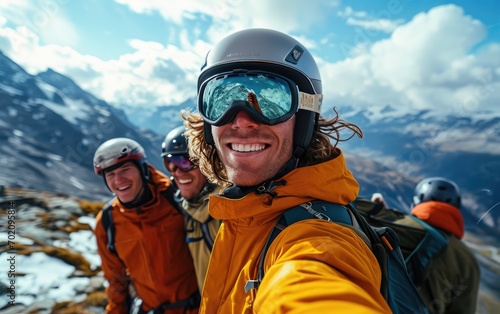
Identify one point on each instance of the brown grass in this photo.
(70, 308)
(95, 299)
(90, 207)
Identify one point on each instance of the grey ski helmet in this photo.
(274, 52)
(437, 189)
(175, 143)
(115, 152)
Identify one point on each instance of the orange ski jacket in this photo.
(313, 266)
(152, 253)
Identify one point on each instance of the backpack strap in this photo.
(431, 244)
(204, 226)
(206, 237)
(109, 226)
(396, 287)
(169, 195)
(383, 241)
(317, 209)
(206, 233)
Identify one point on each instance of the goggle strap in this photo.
(311, 102)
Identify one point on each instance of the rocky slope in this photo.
(49, 260)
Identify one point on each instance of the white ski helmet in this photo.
(115, 152)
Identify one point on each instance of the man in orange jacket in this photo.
(272, 159)
(451, 281)
(150, 252)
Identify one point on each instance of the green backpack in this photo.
(419, 242)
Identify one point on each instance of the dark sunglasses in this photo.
(178, 161)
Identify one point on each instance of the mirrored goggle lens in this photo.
(182, 162)
(270, 96)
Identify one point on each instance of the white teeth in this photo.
(247, 147)
(185, 181)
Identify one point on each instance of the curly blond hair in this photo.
(320, 150)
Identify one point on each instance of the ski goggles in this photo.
(178, 162)
(267, 97)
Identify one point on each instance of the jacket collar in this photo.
(329, 181)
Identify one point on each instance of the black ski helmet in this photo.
(437, 189)
(175, 143)
(271, 51)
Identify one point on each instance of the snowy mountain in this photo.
(158, 119)
(464, 149)
(50, 129)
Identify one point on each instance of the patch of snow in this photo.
(54, 157)
(76, 183)
(10, 90)
(43, 274)
(74, 109)
(47, 89)
(18, 133)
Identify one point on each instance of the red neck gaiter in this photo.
(441, 215)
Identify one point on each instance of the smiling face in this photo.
(125, 181)
(190, 183)
(253, 152)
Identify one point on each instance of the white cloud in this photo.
(232, 15)
(151, 75)
(23, 44)
(173, 11)
(425, 64)
(349, 12)
(46, 18)
(379, 22)
(383, 25)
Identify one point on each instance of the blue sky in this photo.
(409, 54)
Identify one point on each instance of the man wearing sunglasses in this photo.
(192, 195)
(258, 130)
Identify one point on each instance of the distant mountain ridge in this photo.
(50, 129)
(464, 149)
